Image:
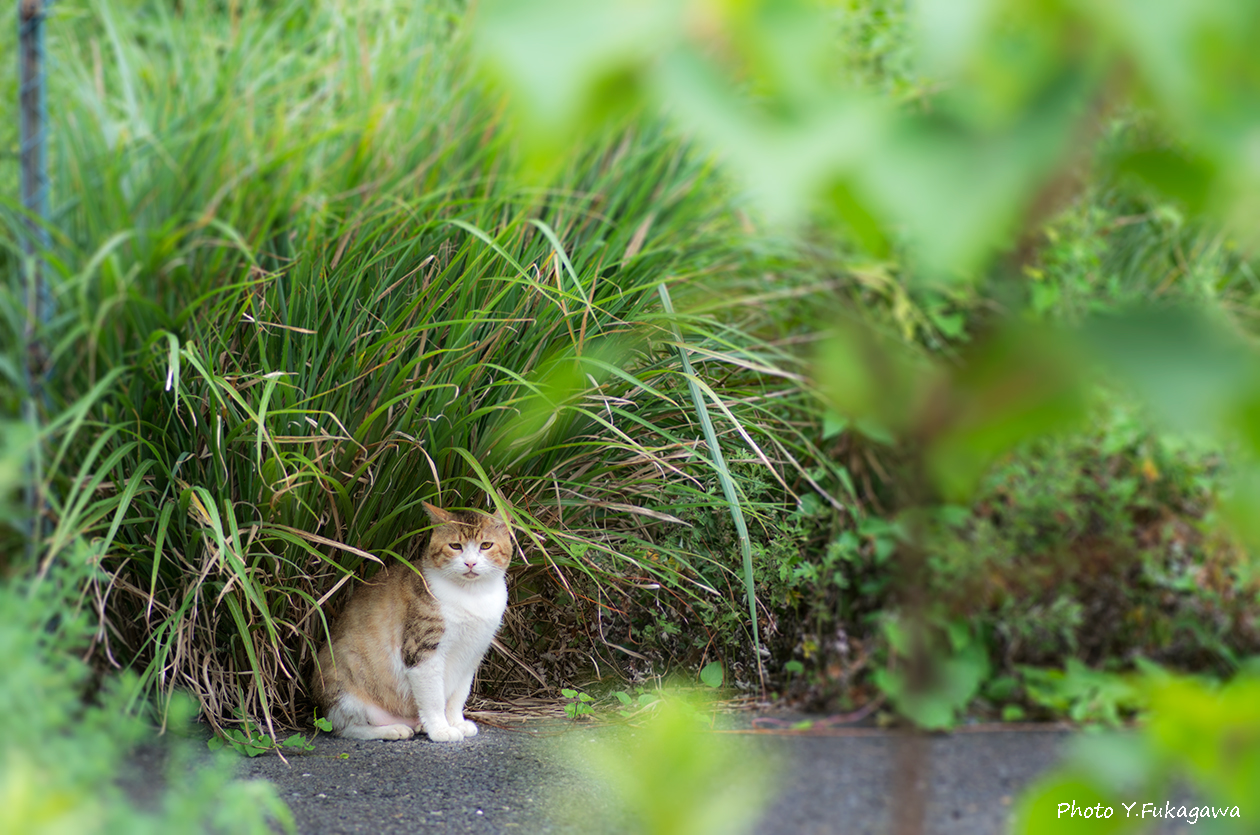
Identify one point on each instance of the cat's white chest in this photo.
(471, 614)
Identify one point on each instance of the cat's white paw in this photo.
(448, 733)
(397, 732)
(467, 726)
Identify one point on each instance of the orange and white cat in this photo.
(403, 654)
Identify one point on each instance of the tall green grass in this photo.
(299, 291)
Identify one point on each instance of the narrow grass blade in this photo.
(724, 476)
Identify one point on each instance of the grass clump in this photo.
(302, 293)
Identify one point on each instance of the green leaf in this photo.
(1188, 364)
(1173, 174)
(1001, 688)
(958, 189)
(1018, 384)
(712, 674)
(952, 32)
(564, 58)
(833, 424)
(1046, 808)
(871, 378)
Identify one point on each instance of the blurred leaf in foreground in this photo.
(869, 376)
(1189, 366)
(930, 687)
(1196, 731)
(572, 63)
(1019, 383)
(672, 776)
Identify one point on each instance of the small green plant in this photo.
(712, 674)
(578, 704)
(1085, 695)
(630, 705)
(251, 741)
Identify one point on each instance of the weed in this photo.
(250, 741)
(1084, 695)
(578, 704)
(631, 705)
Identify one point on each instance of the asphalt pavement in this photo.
(527, 778)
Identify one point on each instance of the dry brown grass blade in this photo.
(640, 235)
(516, 659)
(331, 543)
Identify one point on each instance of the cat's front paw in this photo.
(449, 733)
(467, 726)
(397, 732)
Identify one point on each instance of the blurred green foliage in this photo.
(667, 774)
(1197, 735)
(970, 173)
(1013, 88)
(69, 742)
(297, 307)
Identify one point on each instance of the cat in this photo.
(403, 653)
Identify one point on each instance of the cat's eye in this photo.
(455, 546)
(486, 546)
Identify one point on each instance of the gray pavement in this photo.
(527, 779)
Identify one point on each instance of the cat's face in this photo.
(468, 547)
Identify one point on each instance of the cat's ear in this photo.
(437, 514)
(497, 518)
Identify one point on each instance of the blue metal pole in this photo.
(33, 109)
(33, 106)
